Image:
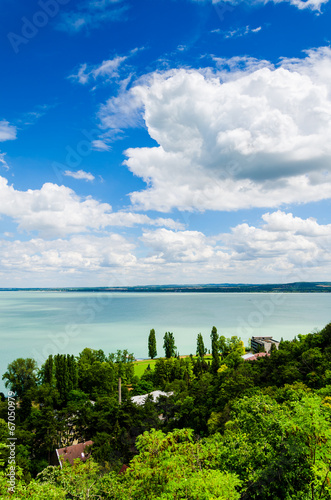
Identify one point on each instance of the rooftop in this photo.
(71, 453)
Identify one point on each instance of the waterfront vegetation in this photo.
(228, 429)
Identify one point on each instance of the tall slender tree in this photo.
(169, 345)
(152, 352)
(215, 349)
(47, 371)
(201, 350)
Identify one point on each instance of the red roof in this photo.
(123, 469)
(70, 453)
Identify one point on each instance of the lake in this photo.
(36, 324)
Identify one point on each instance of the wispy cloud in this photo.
(90, 14)
(31, 117)
(7, 131)
(3, 161)
(100, 145)
(107, 69)
(80, 174)
(300, 4)
(238, 32)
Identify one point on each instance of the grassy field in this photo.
(140, 366)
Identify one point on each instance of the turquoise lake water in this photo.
(36, 324)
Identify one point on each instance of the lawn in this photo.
(140, 366)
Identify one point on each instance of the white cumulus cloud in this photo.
(241, 138)
(80, 255)
(58, 211)
(290, 247)
(181, 246)
(282, 248)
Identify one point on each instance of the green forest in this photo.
(228, 428)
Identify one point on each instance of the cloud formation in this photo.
(7, 131)
(180, 246)
(81, 254)
(80, 174)
(283, 248)
(55, 211)
(284, 245)
(107, 69)
(238, 32)
(90, 14)
(3, 162)
(247, 135)
(121, 111)
(300, 4)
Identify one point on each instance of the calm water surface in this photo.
(36, 324)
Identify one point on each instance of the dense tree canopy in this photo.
(21, 375)
(249, 430)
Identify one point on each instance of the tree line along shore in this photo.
(211, 426)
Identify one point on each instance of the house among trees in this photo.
(252, 357)
(259, 344)
(71, 453)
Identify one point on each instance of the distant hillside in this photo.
(301, 287)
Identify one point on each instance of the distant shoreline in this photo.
(300, 287)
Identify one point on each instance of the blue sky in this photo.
(164, 141)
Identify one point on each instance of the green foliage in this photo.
(98, 375)
(152, 352)
(265, 425)
(169, 466)
(169, 345)
(283, 450)
(66, 375)
(78, 480)
(21, 375)
(32, 490)
(201, 350)
(215, 349)
(46, 373)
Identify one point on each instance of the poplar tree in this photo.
(152, 352)
(201, 350)
(169, 345)
(48, 372)
(214, 349)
